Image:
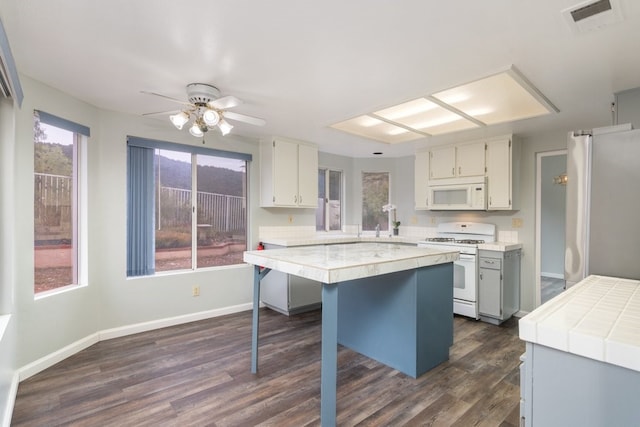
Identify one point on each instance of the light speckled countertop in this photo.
(598, 318)
(332, 239)
(500, 246)
(339, 262)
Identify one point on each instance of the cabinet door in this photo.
(490, 292)
(470, 159)
(499, 174)
(307, 176)
(285, 173)
(421, 189)
(443, 162)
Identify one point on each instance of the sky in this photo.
(56, 135)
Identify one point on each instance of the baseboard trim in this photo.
(11, 401)
(57, 356)
(521, 313)
(171, 321)
(73, 348)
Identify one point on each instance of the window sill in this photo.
(4, 323)
(58, 291)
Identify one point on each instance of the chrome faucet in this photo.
(377, 230)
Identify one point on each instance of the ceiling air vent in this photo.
(592, 15)
(590, 9)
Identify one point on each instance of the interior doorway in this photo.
(550, 224)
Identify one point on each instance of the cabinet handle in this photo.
(480, 276)
(300, 199)
(295, 199)
(459, 170)
(453, 171)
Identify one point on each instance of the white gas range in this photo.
(463, 237)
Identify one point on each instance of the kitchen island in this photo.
(582, 363)
(387, 301)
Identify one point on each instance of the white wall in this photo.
(46, 325)
(552, 216)
(7, 302)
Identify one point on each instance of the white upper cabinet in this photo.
(503, 159)
(459, 160)
(288, 174)
(443, 162)
(307, 176)
(470, 159)
(421, 180)
(497, 160)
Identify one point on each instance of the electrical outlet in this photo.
(196, 291)
(516, 222)
(290, 219)
(433, 220)
(414, 220)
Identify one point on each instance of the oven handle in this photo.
(467, 257)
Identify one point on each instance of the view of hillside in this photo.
(211, 179)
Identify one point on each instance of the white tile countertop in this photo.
(598, 318)
(339, 262)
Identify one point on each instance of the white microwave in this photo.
(457, 197)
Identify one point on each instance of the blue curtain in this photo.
(140, 212)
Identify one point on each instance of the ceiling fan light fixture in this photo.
(196, 130)
(224, 126)
(211, 117)
(180, 119)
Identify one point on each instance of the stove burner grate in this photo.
(470, 241)
(440, 239)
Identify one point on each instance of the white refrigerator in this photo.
(603, 204)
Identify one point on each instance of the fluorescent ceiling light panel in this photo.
(500, 98)
(504, 97)
(425, 116)
(373, 128)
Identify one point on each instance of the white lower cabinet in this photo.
(498, 285)
(559, 389)
(289, 294)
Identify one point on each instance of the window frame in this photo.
(384, 226)
(79, 201)
(194, 151)
(325, 202)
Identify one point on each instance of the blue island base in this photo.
(403, 319)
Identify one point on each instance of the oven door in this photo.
(464, 278)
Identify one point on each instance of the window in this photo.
(170, 225)
(58, 162)
(329, 211)
(375, 194)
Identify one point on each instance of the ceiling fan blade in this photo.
(166, 97)
(225, 102)
(161, 113)
(243, 118)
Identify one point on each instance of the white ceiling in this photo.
(303, 65)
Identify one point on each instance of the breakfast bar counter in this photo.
(390, 302)
(582, 363)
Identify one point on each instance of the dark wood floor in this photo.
(198, 374)
(550, 287)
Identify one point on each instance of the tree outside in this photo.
(375, 194)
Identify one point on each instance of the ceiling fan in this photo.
(207, 109)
